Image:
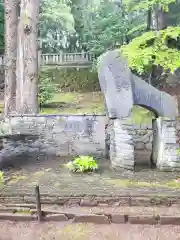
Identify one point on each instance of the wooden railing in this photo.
(66, 58)
(62, 59)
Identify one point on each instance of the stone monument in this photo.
(122, 90)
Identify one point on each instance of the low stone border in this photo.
(92, 201)
(93, 218)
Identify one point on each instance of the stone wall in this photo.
(121, 145)
(142, 135)
(68, 135)
(55, 135)
(133, 144)
(169, 158)
(126, 144)
(143, 138)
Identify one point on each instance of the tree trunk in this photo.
(27, 58)
(156, 21)
(149, 19)
(158, 18)
(11, 19)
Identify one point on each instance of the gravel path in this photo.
(57, 231)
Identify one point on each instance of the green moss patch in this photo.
(173, 184)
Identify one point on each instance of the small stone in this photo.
(61, 201)
(88, 203)
(17, 217)
(56, 217)
(29, 199)
(118, 218)
(102, 205)
(125, 201)
(70, 215)
(48, 200)
(17, 199)
(169, 220)
(106, 200)
(140, 201)
(91, 218)
(74, 202)
(23, 205)
(142, 219)
(117, 204)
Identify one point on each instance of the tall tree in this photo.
(56, 24)
(155, 53)
(27, 65)
(11, 19)
(107, 24)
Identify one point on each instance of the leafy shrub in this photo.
(47, 89)
(178, 151)
(152, 49)
(1, 177)
(71, 79)
(4, 128)
(82, 164)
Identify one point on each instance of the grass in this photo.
(79, 103)
(172, 184)
(89, 103)
(92, 102)
(22, 211)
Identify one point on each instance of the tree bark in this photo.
(158, 18)
(27, 58)
(156, 21)
(11, 20)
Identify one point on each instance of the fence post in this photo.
(39, 59)
(38, 203)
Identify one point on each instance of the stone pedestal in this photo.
(169, 159)
(166, 141)
(121, 144)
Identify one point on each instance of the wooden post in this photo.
(38, 203)
(39, 60)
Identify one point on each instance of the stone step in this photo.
(101, 215)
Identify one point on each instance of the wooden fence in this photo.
(62, 59)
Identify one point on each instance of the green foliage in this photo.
(150, 4)
(1, 177)
(56, 22)
(82, 164)
(178, 151)
(151, 48)
(107, 29)
(47, 89)
(4, 128)
(71, 79)
(140, 115)
(110, 26)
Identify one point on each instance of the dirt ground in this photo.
(58, 231)
(54, 179)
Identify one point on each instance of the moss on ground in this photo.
(92, 102)
(72, 79)
(77, 103)
(89, 103)
(173, 184)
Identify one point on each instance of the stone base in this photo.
(121, 145)
(123, 168)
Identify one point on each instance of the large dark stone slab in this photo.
(145, 95)
(115, 82)
(122, 89)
